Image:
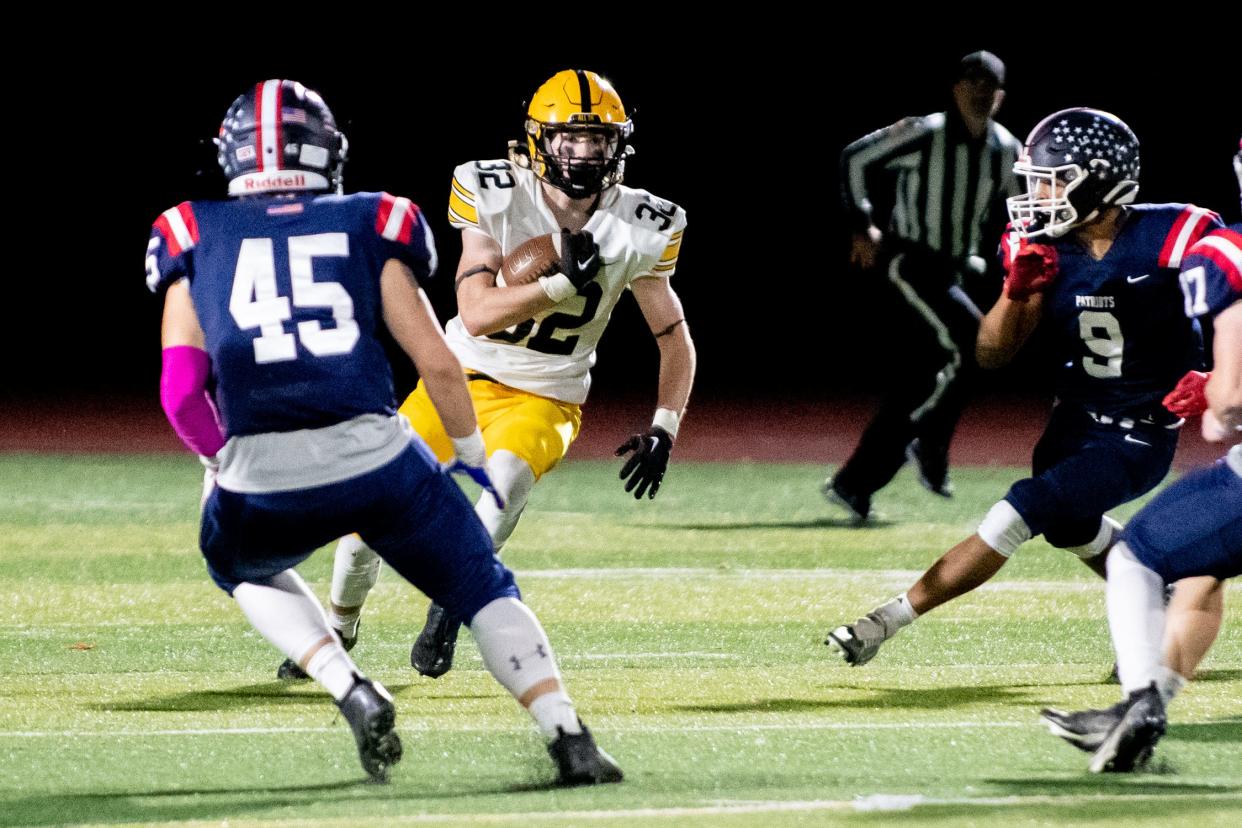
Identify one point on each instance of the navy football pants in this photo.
(408, 511)
(1081, 469)
(1194, 527)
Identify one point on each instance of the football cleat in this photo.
(432, 653)
(1086, 729)
(369, 710)
(859, 642)
(289, 670)
(858, 507)
(1131, 742)
(579, 761)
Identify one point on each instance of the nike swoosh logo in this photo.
(585, 263)
(1130, 438)
(1135, 279)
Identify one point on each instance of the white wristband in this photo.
(558, 287)
(667, 419)
(470, 449)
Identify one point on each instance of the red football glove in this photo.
(1187, 398)
(1031, 271)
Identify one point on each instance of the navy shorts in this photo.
(1082, 468)
(408, 510)
(1194, 527)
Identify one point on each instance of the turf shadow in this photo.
(887, 697)
(206, 803)
(265, 694)
(812, 523)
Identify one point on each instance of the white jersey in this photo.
(551, 355)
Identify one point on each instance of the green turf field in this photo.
(689, 629)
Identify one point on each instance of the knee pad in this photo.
(1108, 534)
(1004, 529)
(514, 479)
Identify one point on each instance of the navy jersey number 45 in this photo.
(287, 291)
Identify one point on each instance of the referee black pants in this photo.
(930, 381)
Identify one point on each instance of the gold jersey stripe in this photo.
(462, 208)
(463, 190)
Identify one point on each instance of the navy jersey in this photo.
(1117, 323)
(287, 291)
(1212, 272)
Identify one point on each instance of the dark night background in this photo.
(745, 133)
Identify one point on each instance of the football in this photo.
(530, 260)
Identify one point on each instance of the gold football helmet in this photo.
(577, 133)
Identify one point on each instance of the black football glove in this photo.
(645, 467)
(579, 257)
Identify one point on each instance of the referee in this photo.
(940, 180)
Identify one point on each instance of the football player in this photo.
(1192, 530)
(1101, 274)
(274, 373)
(527, 349)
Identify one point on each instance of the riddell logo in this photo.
(276, 181)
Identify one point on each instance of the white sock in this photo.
(555, 710)
(1170, 683)
(896, 613)
(332, 667)
(354, 571)
(346, 622)
(284, 610)
(516, 651)
(1136, 619)
(514, 479)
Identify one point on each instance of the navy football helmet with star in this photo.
(1076, 162)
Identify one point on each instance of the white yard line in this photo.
(600, 728)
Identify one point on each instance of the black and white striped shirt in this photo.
(949, 187)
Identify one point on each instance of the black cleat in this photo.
(289, 669)
(933, 472)
(432, 653)
(1086, 729)
(579, 761)
(369, 710)
(1130, 744)
(858, 507)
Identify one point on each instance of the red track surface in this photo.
(994, 431)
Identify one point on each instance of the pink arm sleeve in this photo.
(183, 394)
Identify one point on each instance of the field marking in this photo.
(674, 654)
(671, 728)
(867, 804)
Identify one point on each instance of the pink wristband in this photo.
(183, 394)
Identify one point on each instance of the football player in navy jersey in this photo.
(1192, 530)
(1101, 273)
(274, 373)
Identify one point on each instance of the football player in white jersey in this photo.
(528, 348)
